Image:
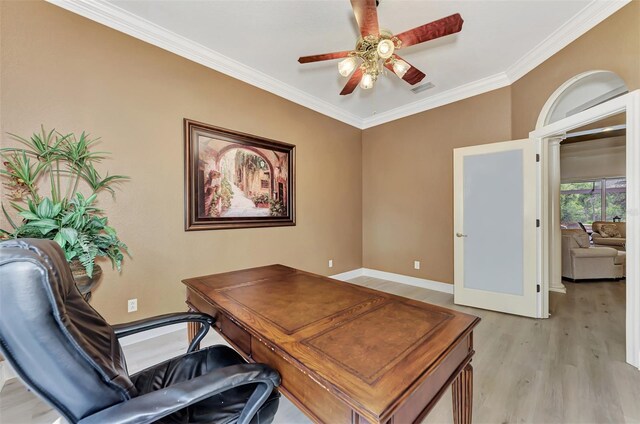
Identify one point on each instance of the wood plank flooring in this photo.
(567, 369)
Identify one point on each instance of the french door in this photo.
(495, 235)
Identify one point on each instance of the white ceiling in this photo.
(259, 42)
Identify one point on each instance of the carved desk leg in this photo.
(462, 390)
(192, 330)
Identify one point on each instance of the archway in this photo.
(580, 93)
(249, 177)
(586, 99)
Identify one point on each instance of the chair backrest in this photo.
(56, 342)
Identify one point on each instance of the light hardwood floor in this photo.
(567, 369)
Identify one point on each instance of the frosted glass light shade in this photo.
(366, 82)
(346, 66)
(400, 67)
(385, 49)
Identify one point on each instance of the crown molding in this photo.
(461, 92)
(590, 16)
(128, 23)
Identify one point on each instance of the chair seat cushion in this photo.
(222, 408)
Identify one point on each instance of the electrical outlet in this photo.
(416, 264)
(132, 305)
(330, 263)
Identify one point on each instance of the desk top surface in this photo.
(367, 346)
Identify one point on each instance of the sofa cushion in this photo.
(582, 239)
(609, 230)
(610, 241)
(594, 252)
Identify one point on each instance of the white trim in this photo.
(150, 334)
(546, 109)
(396, 278)
(462, 92)
(121, 20)
(6, 373)
(354, 273)
(590, 16)
(411, 281)
(629, 103)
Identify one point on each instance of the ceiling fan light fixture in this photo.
(367, 81)
(400, 67)
(385, 48)
(346, 66)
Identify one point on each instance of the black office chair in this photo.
(67, 353)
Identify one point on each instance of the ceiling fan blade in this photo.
(352, 83)
(326, 56)
(436, 29)
(367, 16)
(412, 76)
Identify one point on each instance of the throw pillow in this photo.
(609, 230)
(582, 239)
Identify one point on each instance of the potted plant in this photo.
(66, 164)
(261, 200)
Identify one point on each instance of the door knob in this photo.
(460, 235)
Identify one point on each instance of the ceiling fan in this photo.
(376, 48)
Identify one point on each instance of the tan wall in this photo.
(408, 180)
(62, 70)
(407, 164)
(613, 45)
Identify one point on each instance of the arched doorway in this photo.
(580, 93)
(584, 100)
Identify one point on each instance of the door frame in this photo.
(630, 104)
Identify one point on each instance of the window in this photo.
(596, 200)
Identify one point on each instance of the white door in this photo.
(495, 207)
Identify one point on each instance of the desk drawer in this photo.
(303, 391)
(234, 333)
(229, 329)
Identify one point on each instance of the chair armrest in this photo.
(129, 328)
(152, 406)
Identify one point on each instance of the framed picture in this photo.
(236, 180)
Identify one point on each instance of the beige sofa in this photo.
(615, 242)
(589, 263)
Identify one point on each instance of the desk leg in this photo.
(462, 391)
(192, 330)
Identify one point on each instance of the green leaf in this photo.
(9, 220)
(69, 234)
(45, 208)
(57, 208)
(29, 215)
(60, 240)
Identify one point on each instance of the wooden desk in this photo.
(346, 354)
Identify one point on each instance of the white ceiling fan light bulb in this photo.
(385, 49)
(366, 82)
(400, 67)
(346, 66)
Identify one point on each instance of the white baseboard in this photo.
(151, 334)
(396, 278)
(6, 373)
(348, 275)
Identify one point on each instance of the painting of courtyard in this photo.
(240, 181)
